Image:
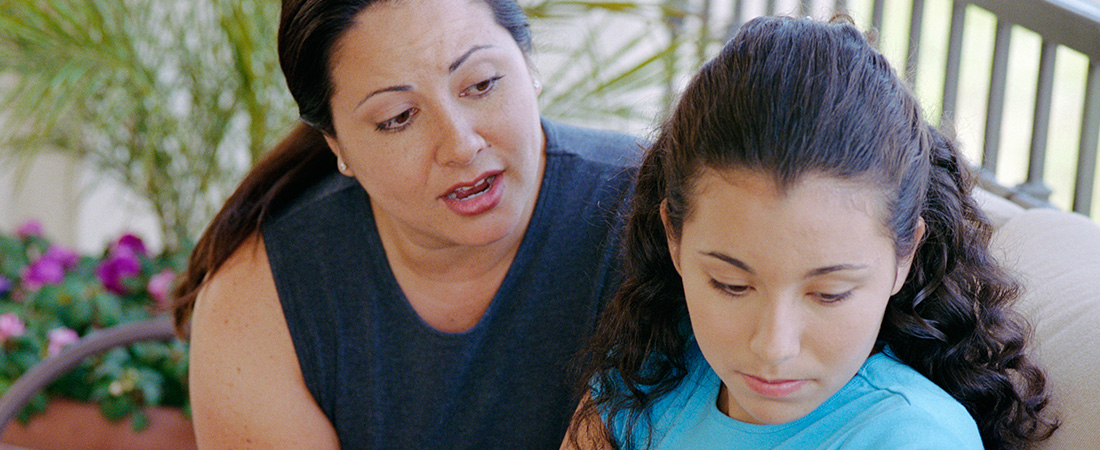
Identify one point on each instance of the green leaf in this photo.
(140, 420)
(117, 408)
(108, 309)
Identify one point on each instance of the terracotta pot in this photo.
(67, 424)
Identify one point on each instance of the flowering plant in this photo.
(50, 296)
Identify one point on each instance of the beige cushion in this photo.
(997, 208)
(1056, 254)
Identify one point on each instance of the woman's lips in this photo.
(772, 388)
(470, 199)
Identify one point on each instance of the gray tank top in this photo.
(386, 379)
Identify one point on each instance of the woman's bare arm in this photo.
(247, 390)
(589, 432)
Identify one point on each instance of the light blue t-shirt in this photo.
(887, 405)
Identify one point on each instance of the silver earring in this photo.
(537, 84)
(343, 166)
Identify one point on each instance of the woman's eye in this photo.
(731, 289)
(831, 298)
(398, 122)
(481, 88)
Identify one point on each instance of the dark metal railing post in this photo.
(996, 104)
(953, 67)
(912, 57)
(1090, 135)
(1040, 127)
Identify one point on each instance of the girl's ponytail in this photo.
(953, 321)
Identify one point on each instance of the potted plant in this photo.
(51, 296)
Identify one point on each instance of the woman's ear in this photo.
(670, 236)
(906, 263)
(341, 165)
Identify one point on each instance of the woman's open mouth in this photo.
(467, 192)
(478, 197)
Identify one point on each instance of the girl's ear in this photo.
(673, 242)
(906, 263)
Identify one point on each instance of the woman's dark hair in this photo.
(308, 33)
(791, 97)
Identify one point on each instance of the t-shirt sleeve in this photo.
(915, 428)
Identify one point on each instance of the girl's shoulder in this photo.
(898, 408)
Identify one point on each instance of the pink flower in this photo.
(116, 269)
(59, 338)
(30, 228)
(159, 285)
(11, 326)
(129, 243)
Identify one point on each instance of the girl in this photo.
(806, 269)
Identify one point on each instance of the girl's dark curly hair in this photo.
(791, 97)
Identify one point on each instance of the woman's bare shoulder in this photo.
(247, 389)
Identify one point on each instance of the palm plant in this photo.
(174, 99)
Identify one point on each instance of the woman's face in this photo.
(786, 291)
(435, 114)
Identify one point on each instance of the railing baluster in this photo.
(877, 12)
(1040, 126)
(840, 7)
(954, 64)
(1090, 137)
(916, 19)
(996, 105)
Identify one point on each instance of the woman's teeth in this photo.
(477, 189)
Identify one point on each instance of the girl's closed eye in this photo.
(399, 122)
(735, 290)
(828, 299)
(481, 88)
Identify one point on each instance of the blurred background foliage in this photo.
(177, 99)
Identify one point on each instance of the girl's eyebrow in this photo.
(812, 273)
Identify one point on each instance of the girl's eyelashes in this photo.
(730, 289)
(482, 88)
(398, 122)
(832, 298)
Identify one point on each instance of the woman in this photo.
(806, 269)
(414, 268)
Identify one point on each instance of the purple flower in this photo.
(42, 272)
(30, 228)
(159, 285)
(59, 338)
(5, 285)
(116, 269)
(66, 257)
(49, 268)
(11, 326)
(131, 243)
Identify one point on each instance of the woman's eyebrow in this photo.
(462, 59)
(404, 87)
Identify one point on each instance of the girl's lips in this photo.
(470, 199)
(772, 388)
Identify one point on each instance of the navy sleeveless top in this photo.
(388, 380)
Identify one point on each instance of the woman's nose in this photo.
(778, 334)
(460, 141)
